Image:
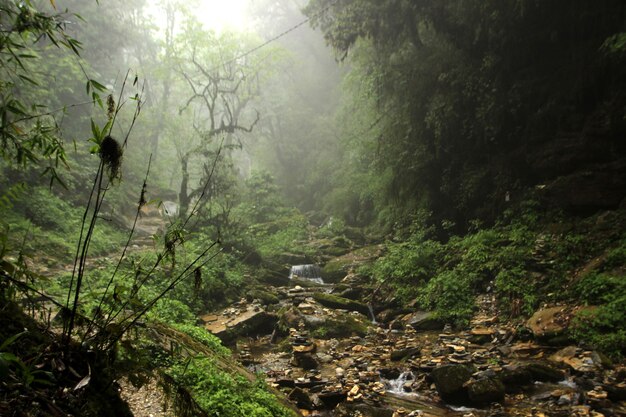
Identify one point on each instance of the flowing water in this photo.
(309, 272)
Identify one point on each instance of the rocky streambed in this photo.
(329, 358)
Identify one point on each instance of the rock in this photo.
(569, 356)
(305, 360)
(230, 324)
(306, 308)
(400, 354)
(481, 335)
(424, 320)
(514, 378)
(331, 398)
(333, 301)
(265, 297)
(616, 392)
(485, 391)
(336, 269)
(549, 322)
(544, 373)
(450, 382)
(586, 192)
(301, 398)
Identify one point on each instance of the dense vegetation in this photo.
(479, 143)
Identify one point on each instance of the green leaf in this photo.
(95, 130)
(12, 339)
(98, 86)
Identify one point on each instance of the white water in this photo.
(309, 272)
(372, 316)
(396, 386)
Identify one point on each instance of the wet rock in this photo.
(578, 361)
(450, 382)
(301, 398)
(485, 391)
(514, 378)
(424, 320)
(544, 373)
(331, 398)
(400, 354)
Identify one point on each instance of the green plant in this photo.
(222, 394)
(12, 366)
(602, 328)
(450, 295)
(600, 288)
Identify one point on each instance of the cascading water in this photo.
(310, 272)
(396, 386)
(372, 316)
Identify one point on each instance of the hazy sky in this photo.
(221, 14)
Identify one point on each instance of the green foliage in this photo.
(408, 266)
(600, 288)
(432, 120)
(203, 336)
(603, 328)
(223, 394)
(450, 295)
(171, 311)
(50, 225)
(287, 233)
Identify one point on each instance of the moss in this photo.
(341, 327)
(265, 297)
(336, 269)
(333, 301)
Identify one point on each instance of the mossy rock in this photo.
(450, 382)
(344, 326)
(336, 269)
(486, 391)
(333, 301)
(265, 297)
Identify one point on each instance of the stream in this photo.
(392, 370)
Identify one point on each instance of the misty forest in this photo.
(351, 208)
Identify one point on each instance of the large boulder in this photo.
(544, 373)
(549, 322)
(336, 302)
(423, 320)
(450, 383)
(233, 323)
(485, 391)
(515, 377)
(336, 269)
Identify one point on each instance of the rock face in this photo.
(450, 382)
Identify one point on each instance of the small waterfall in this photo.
(310, 272)
(372, 316)
(396, 386)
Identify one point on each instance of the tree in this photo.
(223, 84)
(466, 89)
